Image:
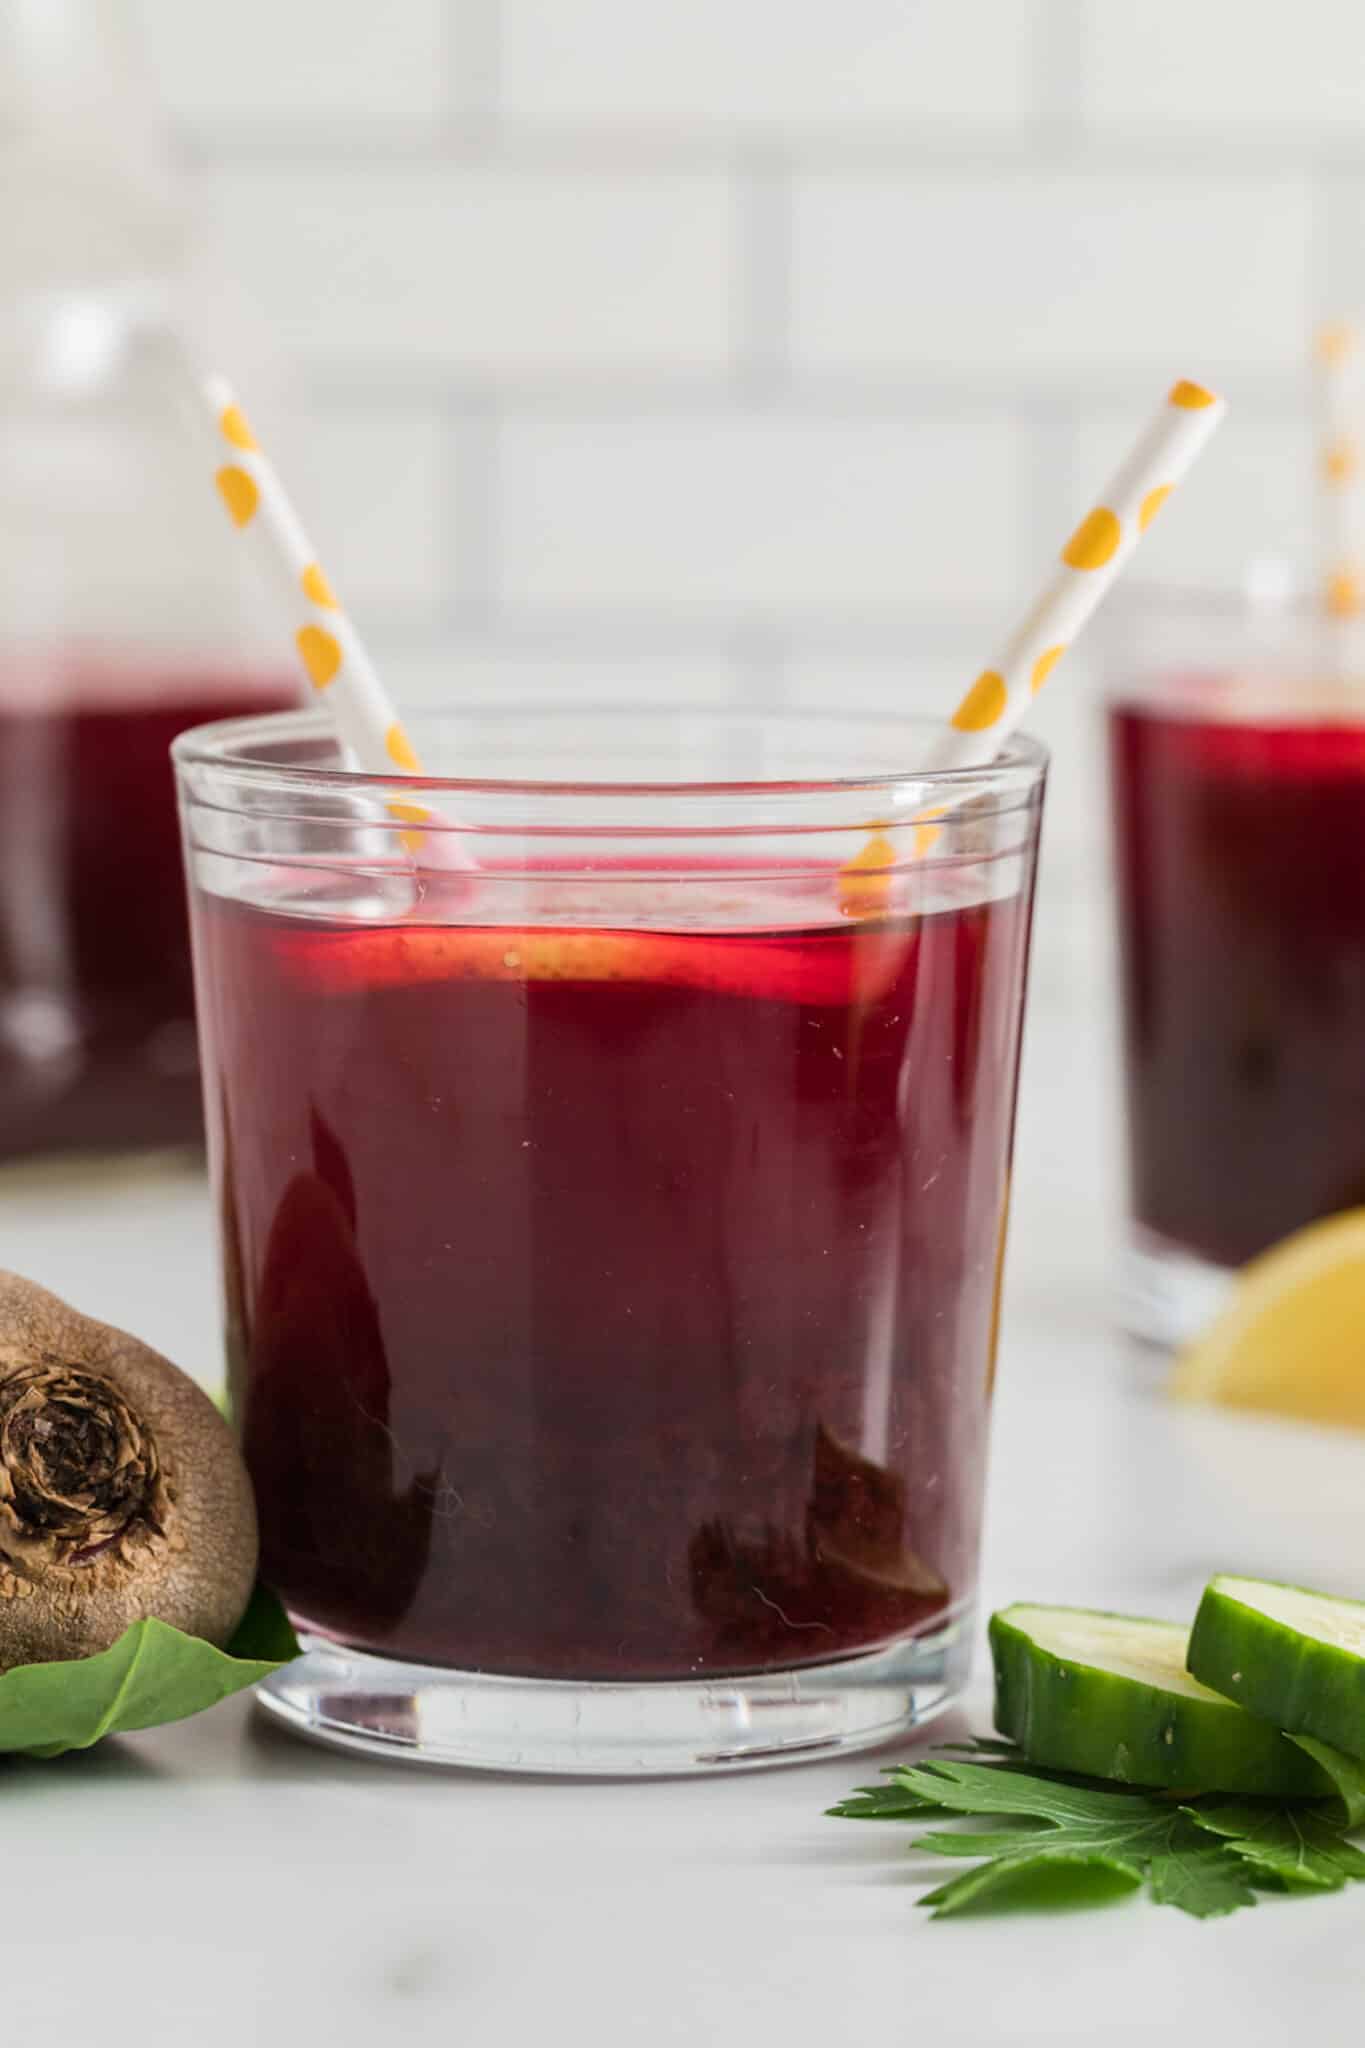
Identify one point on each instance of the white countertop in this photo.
(219, 1882)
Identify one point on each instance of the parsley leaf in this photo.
(888, 1802)
(1084, 1840)
(1299, 1845)
(1130, 1834)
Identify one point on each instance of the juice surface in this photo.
(614, 1303)
(1241, 871)
(96, 994)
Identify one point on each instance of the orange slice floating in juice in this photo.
(841, 966)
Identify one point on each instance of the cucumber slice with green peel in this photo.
(1108, 1696)
(1294, 1657)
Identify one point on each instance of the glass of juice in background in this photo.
(97, 1040)
(1237, 763)
(613, 1224)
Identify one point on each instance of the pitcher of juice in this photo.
(119, 620)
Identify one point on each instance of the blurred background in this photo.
(767, 346)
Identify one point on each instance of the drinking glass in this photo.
(1237, 762)
(611, 1135)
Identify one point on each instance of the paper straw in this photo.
(332, 652)
(1002, 695)
(1339, 357)
(1092, 559)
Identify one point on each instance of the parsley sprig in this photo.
(1206, 1856)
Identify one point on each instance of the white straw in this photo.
(1340, 361)
(331, 650)
(1092, 559)
(1000, 698)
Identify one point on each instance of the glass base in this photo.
(650, 1729)
(1167, 1295)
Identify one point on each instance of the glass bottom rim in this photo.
(1167, 1295)
(383, 1708)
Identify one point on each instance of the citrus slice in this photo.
(845, 967)
(1291, 1338)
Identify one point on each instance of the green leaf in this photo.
(998, 1842)
(1347, 1774)
(265, 1632)
(1064, 1878)
(152, 1674)
(888, 1802)
(989, 1788)
(1298, 1845)
(1075, 1841)
(1135, 1832)
(1187, 1875)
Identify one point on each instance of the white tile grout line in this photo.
(920, 147)
(470, 506)
(1060, 52)
(472, 39)
(761, 292)
(396, 385)
(760, 655)
(766, 638)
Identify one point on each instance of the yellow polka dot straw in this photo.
(1340, 361)
(332, 652)
(1091, 560)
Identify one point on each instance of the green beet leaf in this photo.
(152, 1674)
(265, 1633)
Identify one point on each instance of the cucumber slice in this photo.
(1108, 1696)
(1295, 1657)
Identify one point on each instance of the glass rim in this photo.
(228, 746)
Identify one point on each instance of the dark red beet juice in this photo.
(614, 1303)
(1241, 873)
(97, 1047)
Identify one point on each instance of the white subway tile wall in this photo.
(1254, 497)
(379, 485)
(487, 270)
(1045, 276)
(746, 516)
(775, 68)
(1247, 63)
(298, 61)
(771, 346)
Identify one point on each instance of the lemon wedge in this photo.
(1291, 1337)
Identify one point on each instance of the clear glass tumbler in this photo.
(1237, 767)
(613, 1159)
